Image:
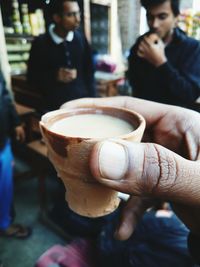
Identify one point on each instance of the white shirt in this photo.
(57, 39)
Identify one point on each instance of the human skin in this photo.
(161, 21)
(68, 20)
(164, 166)
(66, 75)
(20, 133)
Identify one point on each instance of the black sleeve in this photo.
(134, 74)
(194, 247)
(131, 68)
(183, 81)
(8, 104)
(39, 73)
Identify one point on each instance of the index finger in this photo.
(151, 38)
(152, 111)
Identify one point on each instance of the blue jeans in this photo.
(6, 185)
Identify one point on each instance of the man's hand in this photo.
(148, 172)
(152, 49)
(66, 75)
(165, 168)
(20, 133)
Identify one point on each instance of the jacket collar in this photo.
(57, 39)
(178, 35)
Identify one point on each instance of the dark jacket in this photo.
(194, 247)
(8, 115)
(46, 57)
(175, 82)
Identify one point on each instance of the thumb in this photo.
(145, 169)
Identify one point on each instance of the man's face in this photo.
(161, 19)
(70, 19)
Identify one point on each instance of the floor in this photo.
(24, 253)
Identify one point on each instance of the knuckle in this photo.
(159, 170)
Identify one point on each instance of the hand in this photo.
(66, 75)
(152, 49)
(166, 168)
(20, 133)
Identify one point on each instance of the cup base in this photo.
(90, 199)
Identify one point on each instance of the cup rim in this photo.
(52, 115)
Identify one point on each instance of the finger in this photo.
(151, 39)
(192, 144)
(23, 136)
(145, 43)
(67, 71)
(144, 46)
(131, 214)
(147, 170)
(68, 79)
(140, 53)
(152, 113)
(94, 102)
(61, 72)
(18, 137)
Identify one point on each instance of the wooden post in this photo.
(115, 37)
(87, 26)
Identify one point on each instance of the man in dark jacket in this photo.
(60, 63)
(164, 64)
(9, 122)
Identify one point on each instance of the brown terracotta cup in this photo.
(70, 157)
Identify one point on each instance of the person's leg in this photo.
(6, 185)
(6, 197)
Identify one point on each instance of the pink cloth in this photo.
(79, 253)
